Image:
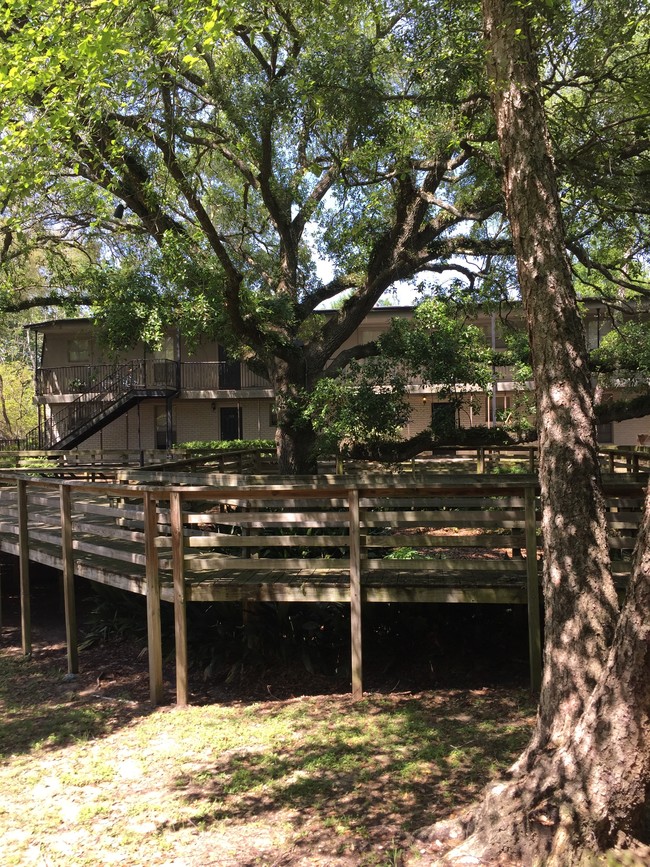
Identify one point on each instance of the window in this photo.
(605, 432)
(79, 350)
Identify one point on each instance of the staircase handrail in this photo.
(121, 381)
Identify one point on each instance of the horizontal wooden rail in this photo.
(368, 538)
(88, 457)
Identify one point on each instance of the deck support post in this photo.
(355, 594)
(532, 583)
(67, 559)
(480, 460)
(154, 636)
(180, 598)
(23, 565)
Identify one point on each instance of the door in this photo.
(231, 422)
(229, 371)
(443, 418)
(162, 371)
(165, 420)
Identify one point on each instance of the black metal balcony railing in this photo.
(131, 380)
(194, 376)
(73, 379)
(215, 375)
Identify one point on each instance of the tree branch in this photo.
(474, 216)
(354, 353)
(339, 284)
(606, 271)
(52, 300)
(623, 408)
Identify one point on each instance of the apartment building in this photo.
(143, 399)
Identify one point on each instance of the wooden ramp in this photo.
(361, 539)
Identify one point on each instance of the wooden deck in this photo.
(313, 539)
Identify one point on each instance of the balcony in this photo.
(219, 375)
(194, 376)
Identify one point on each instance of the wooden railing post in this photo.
(67, 558)
(531, 459)
(23, 565)
(534, 616)
(480, 460)
(180, 597)
(154, 634)
(355, 594)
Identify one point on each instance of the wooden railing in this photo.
(368, 538)
(254, 461)
(75, 458)
(160, 463)
(625, 459)
(484, 459)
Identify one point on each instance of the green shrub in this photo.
(407, 554)
(225, 445)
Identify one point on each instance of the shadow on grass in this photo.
(38, 709)
(390, 762)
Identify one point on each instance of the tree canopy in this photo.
(208, 163)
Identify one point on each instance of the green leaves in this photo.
(624, 354)
(17, 405)
(243, 143)
(366, 405)
(439, 347)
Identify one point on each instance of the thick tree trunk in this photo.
(581, 784)
(579, 596)
(608, 759)
(590, 795)
(295, 438)
(295, 446)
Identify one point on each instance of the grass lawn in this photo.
(90, 778)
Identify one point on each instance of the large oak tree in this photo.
(232, 166)
(233, 150)
(210, 158)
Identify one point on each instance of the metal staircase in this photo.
(125, 386)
